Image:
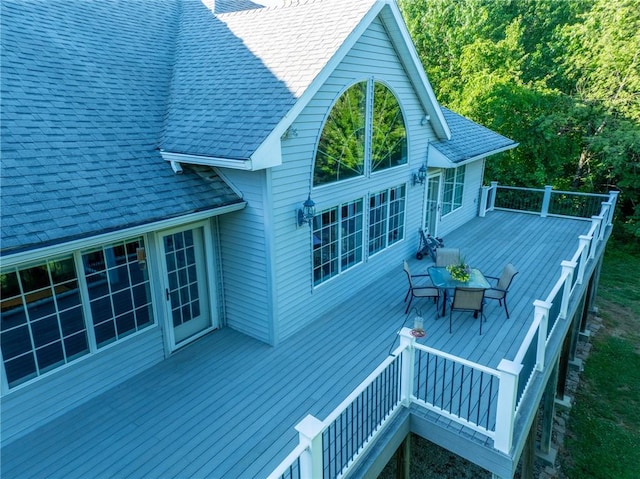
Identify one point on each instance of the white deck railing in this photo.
(465, 392)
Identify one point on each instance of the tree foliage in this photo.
(560, 77)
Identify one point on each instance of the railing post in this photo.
(597, 221)
(506, 407)
(584, 242)
(484, 194)
(310, 432)
(613, 199)
(494, 193)
(541, 308)
(407, 342)
(568, 267)
(546, 201)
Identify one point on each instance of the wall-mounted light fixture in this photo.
(307, 212)
(420, 176)
(425, 119)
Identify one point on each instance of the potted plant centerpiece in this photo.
(460, 272)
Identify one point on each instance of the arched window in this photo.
(389, 136)
(357, 138)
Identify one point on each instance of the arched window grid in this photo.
(371, 160)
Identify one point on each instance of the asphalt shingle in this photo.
(469, 139)
(84, 91)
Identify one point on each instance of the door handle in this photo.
(166, 290)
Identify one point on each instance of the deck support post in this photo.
(407, 342)
(574, 332)
(507, 395)
(563, 369)
(529, 452)
(593, 285)
(310, 433)
(548, 413)
(403, 459)
(546, 201)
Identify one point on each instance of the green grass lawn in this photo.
(604, 425)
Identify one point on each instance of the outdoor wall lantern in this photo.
(307, 212)
(420, 176)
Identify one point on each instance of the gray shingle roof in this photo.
(237, 74)
(84, 89)
(469, 139)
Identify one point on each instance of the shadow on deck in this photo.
(226, 406)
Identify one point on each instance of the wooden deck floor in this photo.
(226, 406)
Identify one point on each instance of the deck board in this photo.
(226, 406)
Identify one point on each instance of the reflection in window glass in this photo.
(325, 245)
(366, 112)
(378, 205)
(386, 218)
(351, 234)
(119, 291)
(337, 240)
(340, 153)
(42, 319)
(389, 136)
(396, 214)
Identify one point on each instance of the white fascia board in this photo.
(413, 66)
(436, 159)
(67, 247)
(238, 164)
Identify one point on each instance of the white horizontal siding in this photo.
(32, 405)
(298, 302)
(244, 252)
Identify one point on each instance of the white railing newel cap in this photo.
(540, 304)
(310, 426)
(405, 334)
(510, 367)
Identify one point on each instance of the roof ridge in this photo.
(271, 7)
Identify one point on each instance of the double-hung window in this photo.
(453, 189)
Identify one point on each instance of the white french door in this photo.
(186, 289)
(433, 206)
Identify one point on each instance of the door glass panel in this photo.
(186, 281)
(433, 194)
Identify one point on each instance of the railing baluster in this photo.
(444, 376)
(461, 388)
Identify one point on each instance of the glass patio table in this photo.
(442, 280)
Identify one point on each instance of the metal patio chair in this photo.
(500, 290)
(447, 256)
(470, 300)
(419, 291)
